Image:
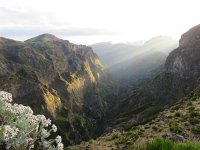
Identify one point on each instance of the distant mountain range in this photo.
(131, 62)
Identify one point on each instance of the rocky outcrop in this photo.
(184, 61)
(191, 38)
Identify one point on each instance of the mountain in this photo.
(113, 54)
(140, 105)
(64, 81)
(165, 106)
(130, 63)
(69, 84)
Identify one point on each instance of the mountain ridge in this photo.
(64, 81)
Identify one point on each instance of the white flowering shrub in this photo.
(20, 129)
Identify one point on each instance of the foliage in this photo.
(20, 129)
(177, 114)
(77, 119)
(196, 130)
(175, 127)
(165, 144)
(115, 135)
(155, 128)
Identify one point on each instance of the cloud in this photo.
(29, 23)
(28, 17)
(67, 32)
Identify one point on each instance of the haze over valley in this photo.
(99, 75)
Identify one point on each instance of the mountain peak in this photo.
(184, 60)
(44, 37)
(191, 37)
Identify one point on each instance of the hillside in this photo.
(64, 81)
(167, 105)
(179, 123)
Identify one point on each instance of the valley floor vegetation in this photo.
(20, 129)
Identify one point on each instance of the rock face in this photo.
(184, 61)
(59, 79)
(190, 38)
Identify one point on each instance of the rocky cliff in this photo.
(184, 61)
(64, 81)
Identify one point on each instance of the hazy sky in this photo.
(90, 21)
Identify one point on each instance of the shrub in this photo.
(20, 129)
(184, 118)
(194, 114)
(77, 119)
(174, 127)
(177, 114)
(189, 104)
(115, 135)
(196, 130)
(154, 128)
(89, 125)
(191, 109)
(194, 121)
(128, 127)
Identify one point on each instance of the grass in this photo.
(166, 144)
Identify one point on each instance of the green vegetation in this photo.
(196, 130)
(165, 144)
(115, 135)
(61, 118)
(22, 73)
(177, 114)
(89, 125)
(194, 114)
(175, 127)
(130, 138)
(154, 128)
(74, 77)
(77, 119)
